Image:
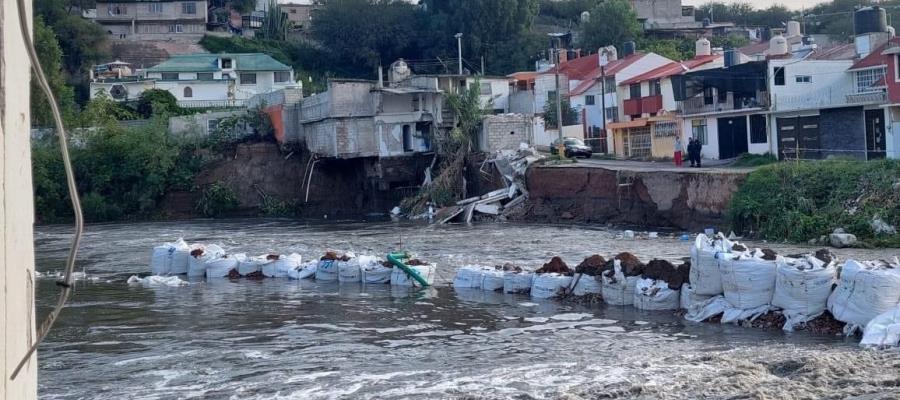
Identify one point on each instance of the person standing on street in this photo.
(691, 147)
(698, 152)
(679, 150)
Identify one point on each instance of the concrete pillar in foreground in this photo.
(17, 321)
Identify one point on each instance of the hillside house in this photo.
(152, 19)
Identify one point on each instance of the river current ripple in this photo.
(279, 339)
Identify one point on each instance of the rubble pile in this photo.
(512, 166)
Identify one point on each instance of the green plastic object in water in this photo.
(395, 258)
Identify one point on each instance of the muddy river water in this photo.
(280, 339)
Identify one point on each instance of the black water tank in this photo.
(628, 48)
(869, 20)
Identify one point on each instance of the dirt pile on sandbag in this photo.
(197, 253)
(275, 257)
(593, 266)
(415, 262)
(556, 266)
(674, 276)
(631, 266)
(824, 324)
(825, 255)
(334, 256)
(769, 255)
(770, 320)
(739, 248)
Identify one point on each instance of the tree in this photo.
(157, 102)
(490, 28)
(50, 56)
(672, 49)
(373, 33)
(570, 117)
(276, 24)
(613, 22)
(103, 110)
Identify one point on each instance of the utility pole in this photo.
(459, 50)
(603, 100)
(561, 146)
(482, 65)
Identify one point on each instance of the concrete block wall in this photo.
(843, 129)
(505, 132)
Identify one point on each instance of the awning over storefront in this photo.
(638, 123)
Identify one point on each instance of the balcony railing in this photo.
(211, 103)
(651, 104)
(632, 107)
(703, 105)
(867, 98)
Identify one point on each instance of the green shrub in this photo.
(799, 202)
(754, 160)
(217, 199)
(121, 173)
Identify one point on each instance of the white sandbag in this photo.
(327, 271)
(399, 277)
(517, 282)
(883, 331)
(748, 281)
(197, 265)
(349, 271)
(492, 280)
(546, 286)
(375, 273)
(653, 295)
(865, 290)
(469, 277)
(170, 258)
(699, 312)
(587, 285)
(305, 271)
(617, 289)
(282, 266)
(705, 277)
(802, 287)
(220, 267)
(157, 281)
(250, 265)
(689, 297)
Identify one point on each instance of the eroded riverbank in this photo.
(283, 339)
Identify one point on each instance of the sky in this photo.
(793, 4)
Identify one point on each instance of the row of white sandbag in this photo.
(212, 261)
(615, 288)
(802, 288)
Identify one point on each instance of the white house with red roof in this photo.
(586, 90)
(648, 121)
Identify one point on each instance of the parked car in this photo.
(574, 148)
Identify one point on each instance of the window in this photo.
(226, 63)
(248, 79)
(188, 8)
(293, 11)
(804, 79)
(188, 92)
(698, 130)
(722, 95)
(655, 87)
(155, 8)
(779, 77)
(170, 76)
(610, 85)
(589, 100)
(635, 91)
(612, 114)
(282, 76)
(178, 28)
(897, 68)
(708, 96)
(115, 9)
(869, 80)
(687, 11)
(205, 76)
(212, 125)
(485, 89)
(665, 128)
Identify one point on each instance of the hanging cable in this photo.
(66, 283)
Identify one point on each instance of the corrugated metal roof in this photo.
(673, 68)
(204, 62)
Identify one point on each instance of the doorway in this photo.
(732, 137)
(876, 147)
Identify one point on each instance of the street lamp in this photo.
(458, 37)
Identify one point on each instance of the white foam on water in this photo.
(570, 317)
